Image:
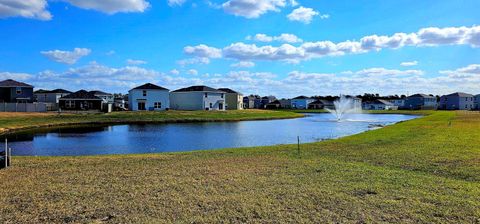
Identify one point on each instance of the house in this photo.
(197, 98)
(400, 103)
(149, 97)
(233, 99)
(301, 102)
(81, 100)
(50, 96)
(12, 91)
(327, 104)
(317, 104)
(421, 102)
(477, 102)
(457, 101)
(106, 97)
(379, 105)
(266, 100)
(285, 103)
(273, 105)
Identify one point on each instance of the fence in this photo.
(24, 107)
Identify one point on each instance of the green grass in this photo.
(17, 121)
(425, 170)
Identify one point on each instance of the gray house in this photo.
(421, 102)
(12, 91)
(379, 105)
(477, 102)
(234, 99)
(197, 98)
(457, 101)
(50, 96)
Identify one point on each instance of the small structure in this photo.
(12, 91)
(81, 100)
(317, 104)
(197, 98)
(234, 99)
(50, 96)
(149, 97)
(301, 102)
(421, 102)
(457, 101)
(379, 105)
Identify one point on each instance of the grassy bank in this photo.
(16, 121)
(425, 170)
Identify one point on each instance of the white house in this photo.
(301, 102)
(379, 105)
(197, 98)
(53, 96)
(234, 99)
(148, 97)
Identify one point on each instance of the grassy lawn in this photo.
(425, 170)
(14, 121)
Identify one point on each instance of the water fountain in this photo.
(344, 106)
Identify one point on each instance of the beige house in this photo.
(233, 99)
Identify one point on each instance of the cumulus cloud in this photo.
(15, 76)
(192, 61)
(472, 70)
(135, 62)
(66, 57)
(409, 63)
(305, 15)
(111, 6)
(175, 72)
(192, 72)
(243, 64)
(203, 51)
(284, 37)
(252, 8)
(173, 3)
(423, 38)
(33, 9)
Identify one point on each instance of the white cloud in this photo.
(203, 51)
(243, 64)
(284, 37)
(174, 72)
(308, 50)
(388, 72)
(304, 15)
(409, 63)
(252, 8)
(135, 62)
(33, 9)
(110, 53)
(472, 70)
(15, 76)
(192, 72)
(191, 61)
(173, 3)
(66, 57)
(111, 6)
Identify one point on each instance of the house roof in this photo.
(199, 89)
(13, 83)
(384, 102)
(316, 102)
(82, 94)
(301, 98)
(227, 90)
(460, 94)
(274, 102)
(98, 92)
(41, 91)
(326, 102)
(422, 95)
(52, 91)
(150, 86)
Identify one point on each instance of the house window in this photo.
(144, 92)
(221, 96)
(70, 104)
(157, 105)
(206, 95)
(19, 90)
(211, 105)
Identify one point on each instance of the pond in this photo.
(176, 137)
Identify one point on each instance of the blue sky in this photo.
(327, 47)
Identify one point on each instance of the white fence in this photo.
(24, 107)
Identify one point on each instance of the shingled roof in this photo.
(150, 86)
(13, 83)
(227, 90)
(199, 89)
(81, 94)
(52, 91)
(460, 94)
(422, 95)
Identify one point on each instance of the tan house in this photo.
(233, 99)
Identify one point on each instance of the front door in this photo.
(220, 106)
(141, 106)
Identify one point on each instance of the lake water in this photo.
(155, 138)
